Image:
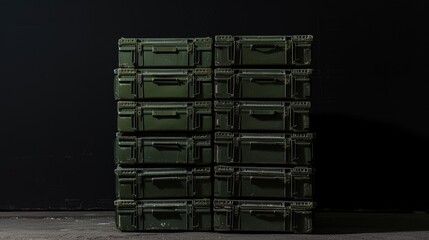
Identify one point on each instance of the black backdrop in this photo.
(369, 94)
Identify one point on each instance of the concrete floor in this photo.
(100, 225)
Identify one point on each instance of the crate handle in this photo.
(164, 179)
(262, 112)
(165, 50)
(264, 80)
(165, 144)
(267, 143)
(155, 211)
(165, 80)
(267, 47)
(256, 212)
(253, 178)
(164, 114)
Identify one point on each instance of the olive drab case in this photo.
(262, 115)
(263, 215)
(164, 116)
(264, 148)
(164, 215)
(293, 50)
(149, 183)
(159, 149)
(263, 182)
(135, 84)
(293, 84)
(165, 52)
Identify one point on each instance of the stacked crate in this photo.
(164, 140)
(262, 148)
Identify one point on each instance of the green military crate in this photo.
(263, 182)
(263, 148)
(160, 149)
(262, 115)
(263, 50)
(163, 215)
(133, 84)
(165, 52)
(149, 183)
(262, 83)
(164, 116)
(256, 215)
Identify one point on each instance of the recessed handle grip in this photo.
(165, 80)
(264, 80)
(262, 112)
(256, 178)
(165, 144)
(171, 210)
(267, 47)
(164, 113)
(165, 50)
(275, 144)
(159, 179)
(262, 211)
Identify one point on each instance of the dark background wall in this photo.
(369, 94)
